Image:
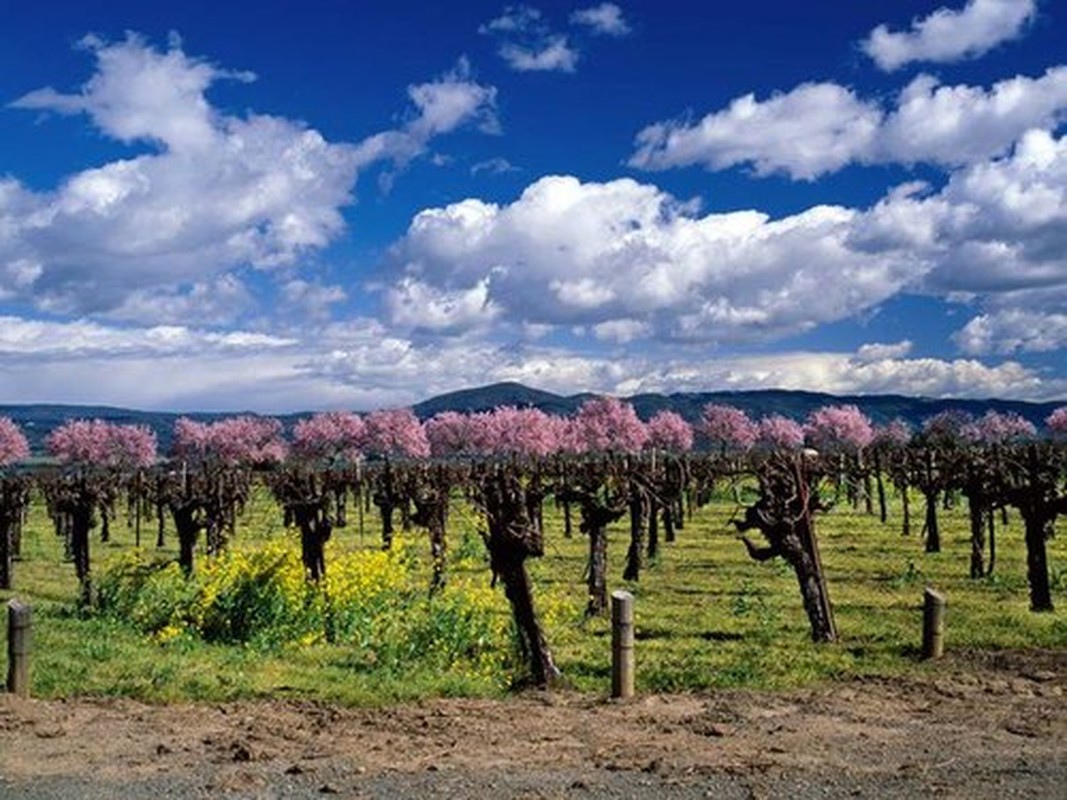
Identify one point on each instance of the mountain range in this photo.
(39, 419)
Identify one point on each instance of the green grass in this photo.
(706, 615)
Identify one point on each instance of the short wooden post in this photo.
(622, 644)
(19, 642)
(933, 623)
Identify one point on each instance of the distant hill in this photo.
(794, 404)
(38, 420)
(509, 393)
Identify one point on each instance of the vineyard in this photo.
(371, 558)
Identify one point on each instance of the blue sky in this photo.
(283, 206)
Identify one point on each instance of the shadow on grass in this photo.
(722, 636)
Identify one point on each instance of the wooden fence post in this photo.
(933, 623)
(19, 642)
(622, 644)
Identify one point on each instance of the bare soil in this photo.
(986, 726)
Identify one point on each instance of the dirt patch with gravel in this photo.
(988, 726)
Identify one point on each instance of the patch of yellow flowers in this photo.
(376, 602)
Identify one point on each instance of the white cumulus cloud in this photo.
(819, 128)
(949, 35)
(214, 194)
(628, 261)
(997, 228)
(815, 128)
(1014, 330)
(567, 252)
(414, 305)
(878, 351)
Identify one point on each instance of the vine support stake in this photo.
(622, 644)
(19, 642)
(933, 623)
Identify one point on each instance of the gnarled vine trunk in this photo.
(783, 514)
(511, 539)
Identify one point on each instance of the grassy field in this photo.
(707, 616)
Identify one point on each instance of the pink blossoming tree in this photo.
(390, 435)
(13, 444)
(330, 437)
(451, 433)
(669, 431)
(997, 428)
(726, 428)
(231, 442)
(1057, 423)
(775, 432)
(395, 433)
(890, 457)
(837, 429)
(14, 496)
(606, 424)
(98, 456)
(521, 432)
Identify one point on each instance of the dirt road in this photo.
(986, 727)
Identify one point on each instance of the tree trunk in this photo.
(1039, 502)
(1037, 529)
(160, 515)
(933, 534)
(386, 502)
(517, 589)
(386, 511)
(188, 528)
(653, 528)
(816, 601)
(431, 512)
(879, 482)
(597, 579)
(905, 509)
(668, 522)
(510, 541)
(16, 532)
(7, 523)
(597, 514)
(340, 504)
(978, 518)
(638, 515)
(81, 525)
(809, 570)
(315, 529)
(437, 555)
(13, 500)
(783, 516)
(992, 521)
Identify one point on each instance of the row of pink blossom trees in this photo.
(203, 494)
(600, 425)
